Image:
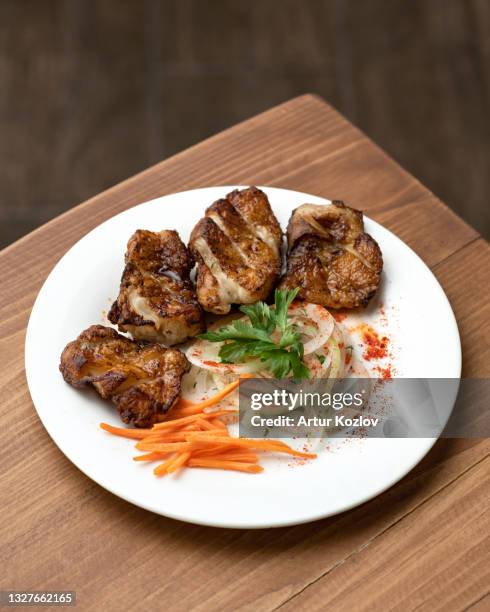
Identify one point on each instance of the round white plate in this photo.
(79, 291)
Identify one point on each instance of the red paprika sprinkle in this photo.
(376, 347)
(384, 373)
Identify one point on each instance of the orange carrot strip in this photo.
(124, 432)
(148, 457)
(251, 468)
(228, 455)
(214, 399)
(217, 397)
(190, 427)
(181, 405)
(221, 433)
(178, 462)
(182, 412)
(191, 419)
(209, 450)
(161, 469)
(180, 436)
(206, 425)
(163, 447)
(171, 436)
(260, 444)
(198, 440)
(218, 423)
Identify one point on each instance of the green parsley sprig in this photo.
(243, 341)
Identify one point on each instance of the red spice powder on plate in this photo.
(376, 346)
(338, 315)
(384, 373)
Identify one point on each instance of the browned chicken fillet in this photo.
(142, 380)
(330, 257)
(237, 249)
(157, 301)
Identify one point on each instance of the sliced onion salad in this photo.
(322, 337)
(199, 384)
(315, 324)
(205, 355)
(324, 342)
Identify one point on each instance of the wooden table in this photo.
(421, 545)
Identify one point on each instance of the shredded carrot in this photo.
(191, 409)
(124, 432)
(171, 436)
(209, 450)
(188, 436)
(221, 433)
(218, 423)
(182, 412)
(191, 426)
(207, 425)
(192, 418)
(161, 469)
(251, 468)
(163, 447)
(181, 405)
(198, 441)
(217, 397)
(148, 457)
(229, 455)
(178, 462)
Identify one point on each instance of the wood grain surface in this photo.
(421, 545)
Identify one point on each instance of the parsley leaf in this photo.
(238, 330)
(236, 351)
(282, 355)
(261, 316)
(283, 301)
(300, 370)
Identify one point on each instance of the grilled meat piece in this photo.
(237, 249)
(330, 257)
(157, 301)
(142, 380)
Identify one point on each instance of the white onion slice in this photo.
(196, 384)
(322, 319)
(205, 354)
(336, 346)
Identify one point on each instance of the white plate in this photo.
(80, 288)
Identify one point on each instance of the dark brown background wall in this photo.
(94, 91)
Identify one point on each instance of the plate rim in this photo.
(217, 523)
